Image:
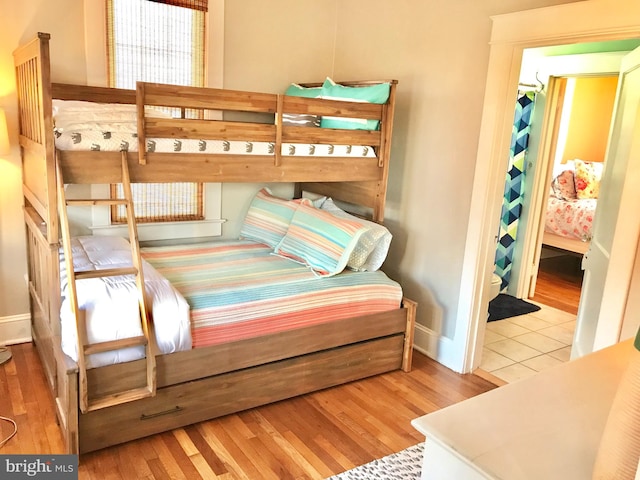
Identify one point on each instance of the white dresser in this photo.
(544, 427)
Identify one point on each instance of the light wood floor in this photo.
(313, 436)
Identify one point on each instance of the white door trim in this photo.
(588, 21)
(551, 69)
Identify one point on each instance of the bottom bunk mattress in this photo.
(111, 303)
(240, 289)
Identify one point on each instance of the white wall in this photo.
(438, 50)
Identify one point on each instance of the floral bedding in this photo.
(570, 218)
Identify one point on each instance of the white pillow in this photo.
(373, 246)
(76, 114)
(558, 168)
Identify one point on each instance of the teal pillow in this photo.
(295, 90)
(378, 93)
(301, 120)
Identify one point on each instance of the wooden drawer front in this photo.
(204, 362)
(191, 402)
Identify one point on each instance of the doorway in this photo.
(511, 34)
(570, 190)
(575, 129)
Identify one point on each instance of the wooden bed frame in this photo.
(565, 243)
(202, 383)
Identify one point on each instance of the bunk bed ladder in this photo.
(84, 347)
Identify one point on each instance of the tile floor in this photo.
(518, 347)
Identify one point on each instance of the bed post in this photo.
(278, 146)
(33, 81)
(67, 401)
(407, 353)
(384, 156)
(142, 141)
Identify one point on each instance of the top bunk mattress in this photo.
(86, 126)
(240, 289)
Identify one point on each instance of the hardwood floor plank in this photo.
(130, 451)
(209, 456)
(348, 415)
(298, 461)
(15, 391)
(309, 437)
(183, 440)
(234, 457)
(157, 469)
(201, 465)
(179, 455)
(128, 466)
(308, 434)
(320, 469)
(280, 460)
(254, 454)
(166, 457)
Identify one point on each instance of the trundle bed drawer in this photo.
(179, 405)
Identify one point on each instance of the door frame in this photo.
(531, 235)
(582, 22)
(556, 71)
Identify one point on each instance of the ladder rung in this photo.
(85, 401)
(96, 201)
(118, 398)
(106, 272)
(112, 345)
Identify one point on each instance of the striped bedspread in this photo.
(239, 289)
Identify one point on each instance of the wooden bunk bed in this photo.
(207, 382)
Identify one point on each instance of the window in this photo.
(157, 41)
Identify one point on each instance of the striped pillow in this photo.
(301, 119)
(268, 218)
(320, 240)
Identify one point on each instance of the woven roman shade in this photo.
(158, 41)
(202, 5)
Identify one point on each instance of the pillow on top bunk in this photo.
(320, 240)
(268, 218)
(81, 115)
(373, 246)
(301, 119)
(378, 93)
(587, 179)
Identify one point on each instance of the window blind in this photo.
(157, 41)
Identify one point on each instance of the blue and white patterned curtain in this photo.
(514, 187)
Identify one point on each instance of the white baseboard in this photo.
(425, 341)
(15, 329)
(434, 345)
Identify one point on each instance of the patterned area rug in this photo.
(404, 465)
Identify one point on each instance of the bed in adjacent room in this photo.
(571, 206)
